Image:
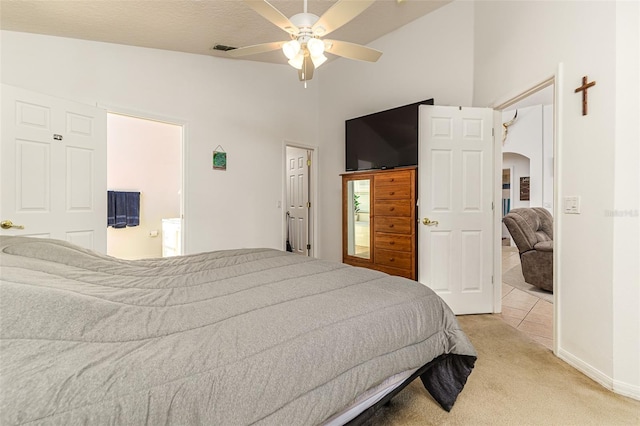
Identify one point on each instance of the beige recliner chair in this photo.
(532, 231)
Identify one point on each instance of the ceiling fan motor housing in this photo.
(305, 22)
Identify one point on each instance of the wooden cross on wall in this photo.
(583, 89)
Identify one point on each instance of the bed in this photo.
(232, 337)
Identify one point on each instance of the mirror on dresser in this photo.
(358, 221)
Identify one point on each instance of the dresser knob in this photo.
(391, 226)
(392, 209)
(391, 243)
(391, 193)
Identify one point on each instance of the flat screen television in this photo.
(383, 140)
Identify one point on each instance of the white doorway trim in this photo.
(556, 81)
(184, 151)
(313, 194)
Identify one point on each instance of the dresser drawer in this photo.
(393, 208)
(395, 259)
(393, 179)
(407, 273)
(397, 242)
(395, 225)
(393, 192)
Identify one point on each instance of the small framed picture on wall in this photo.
(219, 159)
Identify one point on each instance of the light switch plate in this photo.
(571, 205)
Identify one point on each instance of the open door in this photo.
(53, 158)
(456, 234)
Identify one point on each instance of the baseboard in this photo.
(625, 389)
(616, 386)
(586, 369)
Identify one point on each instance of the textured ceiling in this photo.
(194, 26)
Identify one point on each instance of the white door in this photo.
(456, 233)
(298, 204)
(53, 158)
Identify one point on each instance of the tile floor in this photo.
(523, 311)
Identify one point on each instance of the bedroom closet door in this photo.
(456, 209)
(298, 201)
(53, 158)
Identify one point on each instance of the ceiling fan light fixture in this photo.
(315, 46)
(291, 49)
(318, 60)
(297, 61)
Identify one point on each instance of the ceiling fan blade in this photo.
(339, 14)
(352, 50)
(256, 48)
(306, 72)
(270, 13)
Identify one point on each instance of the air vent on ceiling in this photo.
(223, 48)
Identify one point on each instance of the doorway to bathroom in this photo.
(145, 156)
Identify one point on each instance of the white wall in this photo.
(626, 217)
(525, 138)
(430, 58)
(531, 135)
(144, 156)
(247, 107)
(594, 39)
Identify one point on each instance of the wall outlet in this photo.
(153, 233)
(571, 205)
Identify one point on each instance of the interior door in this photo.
(456, 233)
(298, 204)
(53, 157)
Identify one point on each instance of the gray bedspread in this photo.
(252, 336)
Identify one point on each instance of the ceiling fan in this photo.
(306, 48)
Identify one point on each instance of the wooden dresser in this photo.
(391, 218)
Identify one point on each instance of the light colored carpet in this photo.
(516, 381)
(514, 278)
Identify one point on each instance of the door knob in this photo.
(7, 224)
(428, 222)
